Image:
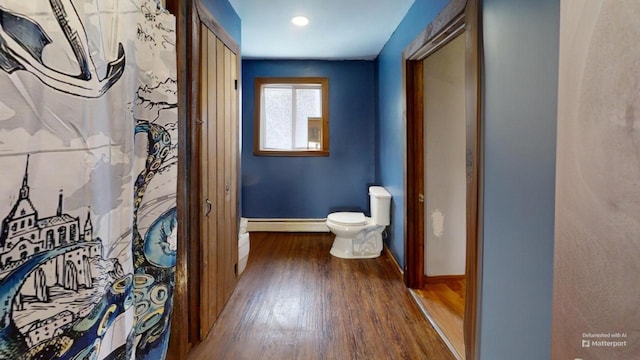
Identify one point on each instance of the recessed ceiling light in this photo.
(300, 20)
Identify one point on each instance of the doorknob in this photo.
(208, 207)
(420, 198)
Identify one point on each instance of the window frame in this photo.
(257, 119)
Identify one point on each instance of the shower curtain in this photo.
(88, 157)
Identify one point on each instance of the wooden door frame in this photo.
(458, 17)
(185, 324)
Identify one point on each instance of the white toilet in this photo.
(357, 236)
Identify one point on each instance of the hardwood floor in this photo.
(444, 303)
(295, 301)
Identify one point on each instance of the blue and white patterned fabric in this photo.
(88, 159)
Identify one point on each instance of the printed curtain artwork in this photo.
(88, 160)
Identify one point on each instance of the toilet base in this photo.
(346, 248)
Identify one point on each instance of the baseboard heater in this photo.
(287, 225)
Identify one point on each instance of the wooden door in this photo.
(208, 69)
(219, 182)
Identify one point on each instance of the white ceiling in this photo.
(338, 29)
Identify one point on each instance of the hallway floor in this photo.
(443, 301)
(295, 301)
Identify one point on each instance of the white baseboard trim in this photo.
(287, 225)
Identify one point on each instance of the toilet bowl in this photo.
(358, 236)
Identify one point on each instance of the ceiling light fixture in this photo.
(300, 21)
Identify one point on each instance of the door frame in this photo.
(185, 324)
(458, 17)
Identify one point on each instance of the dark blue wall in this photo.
(519, 137)
(312, 187)
(521, 80)
(390, 139)
(225, 14)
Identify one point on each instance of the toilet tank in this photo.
(380, 205)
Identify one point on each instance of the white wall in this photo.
(445, 166)
(597, 235)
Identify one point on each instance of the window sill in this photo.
(317, 153)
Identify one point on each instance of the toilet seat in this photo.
(347, 218)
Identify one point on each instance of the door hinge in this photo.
(235, 269)
(235, 84)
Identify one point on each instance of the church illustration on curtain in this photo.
(88, 152)
(25, 234)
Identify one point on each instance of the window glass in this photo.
(277, 113)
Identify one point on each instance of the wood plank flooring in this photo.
(296, 301)
(444, 303)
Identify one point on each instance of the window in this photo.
(62, 235)
(291, 116)
(73, 232)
